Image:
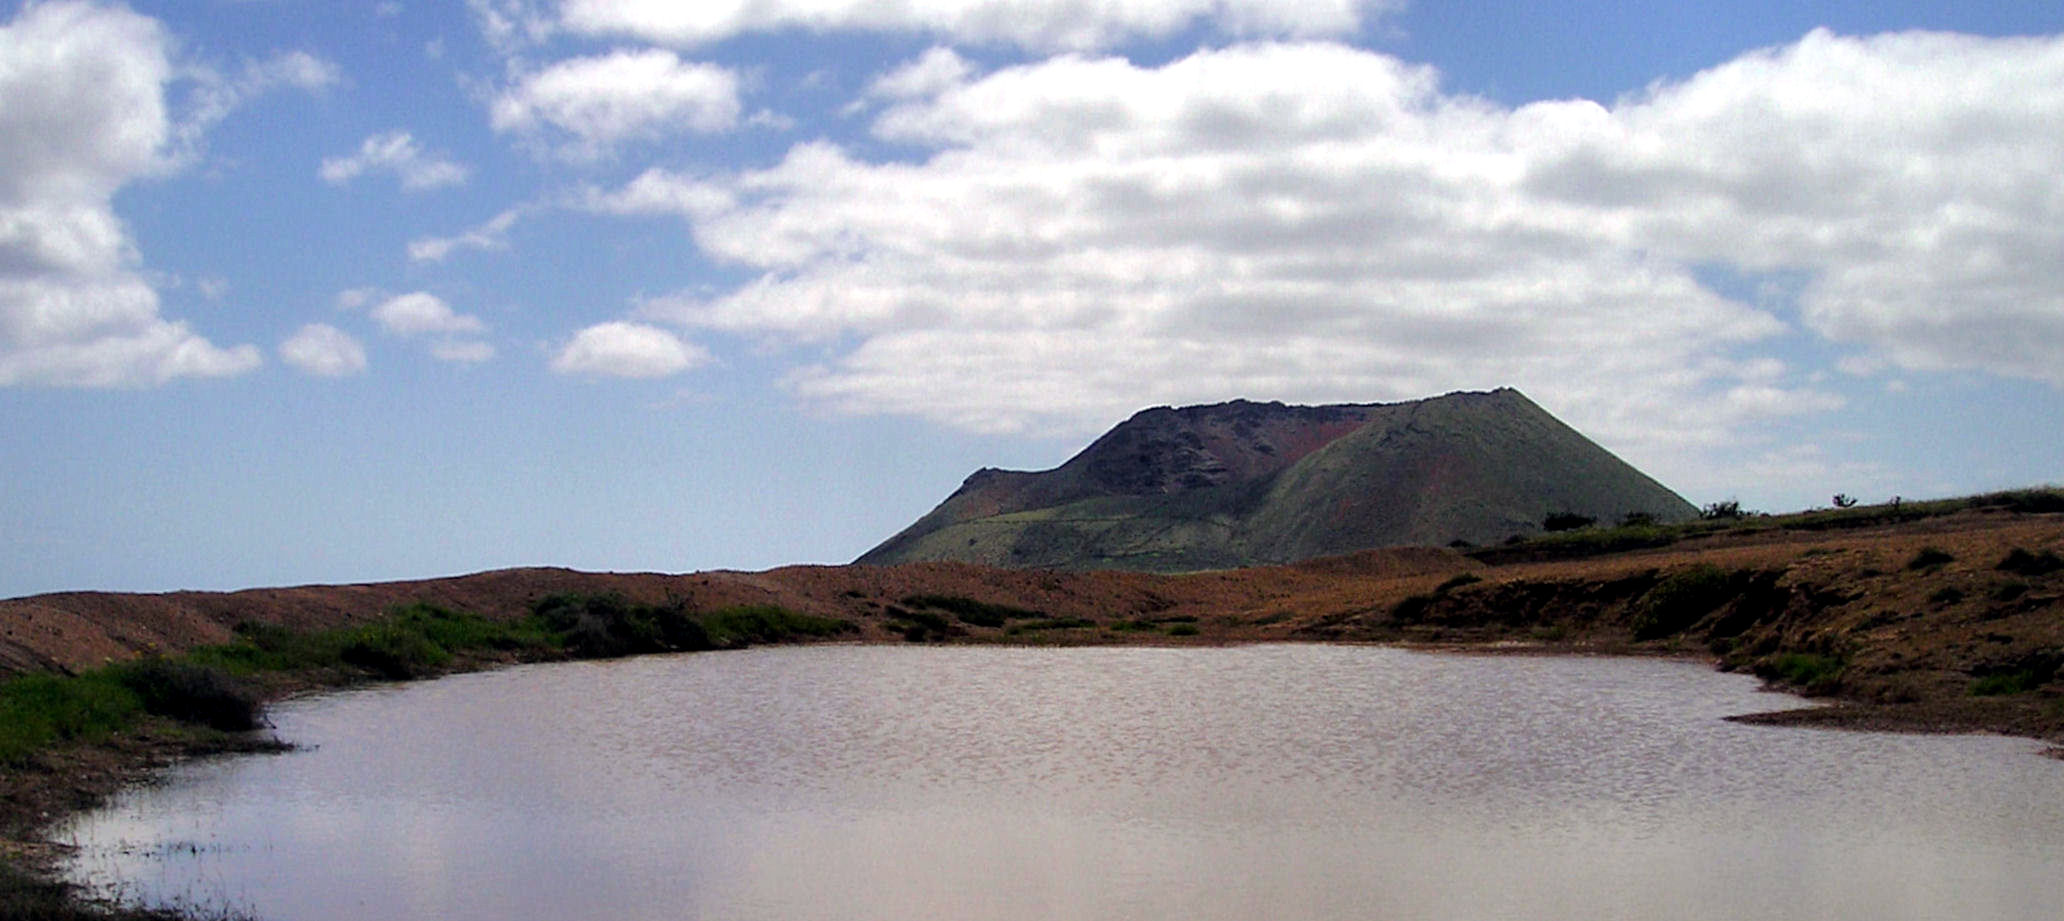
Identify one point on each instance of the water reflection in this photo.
(1288, 782)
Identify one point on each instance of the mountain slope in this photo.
(1242, 483)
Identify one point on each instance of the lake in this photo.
(1260, 782)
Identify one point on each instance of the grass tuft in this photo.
(971, 612)
(1814, 674)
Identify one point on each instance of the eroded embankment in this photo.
(1952, 626)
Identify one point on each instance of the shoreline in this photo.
(78, 777)
(1944, 625)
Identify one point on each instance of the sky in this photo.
(296, 291)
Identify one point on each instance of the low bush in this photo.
(190, 693)
(1412, 608)
(767, 623)
(2023, 563)
(1183, 630)
(2002, 683)
(1566, 521)
(609, 626)
(392, 651)
(1930, 558)
(970, 611)
(1680, 600)
(919, 626)
(1814, 674)
(1728, 510)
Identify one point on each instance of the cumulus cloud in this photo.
(1027, 23)
(933, 72)
(394, 152)
(586, 107)
(490, 235)
(419, 313)
(1308, 221)
(323, 351)
(452, 336)
(620, 349)
(84, 114)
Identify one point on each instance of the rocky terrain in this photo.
(1244, 484)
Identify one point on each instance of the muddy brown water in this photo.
(1280, 782)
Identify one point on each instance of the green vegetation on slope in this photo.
(1242, 484)
(216, 688)
(1600, 541)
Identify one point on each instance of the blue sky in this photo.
(316, 292)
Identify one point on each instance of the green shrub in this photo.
(970, 611)
(392, 651)
(190, 693)
(1728, 510)
(1183, 630)
(1566, 521)
(1930, 558)
(1815, 674)
(2023, 563)
(1680, 599)
(609, 625)
(2009, 591)
(767, 623)
(1411, 609)
(2041, 500)
(2001, 683)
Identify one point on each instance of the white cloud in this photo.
(1911, 175)
(659, 191)
(323, 351)
(490, 235)
(355, 298)
(418, 313)
(84, 114)
(619, 349)
(1315, 222)
(1027, 23)
(933, 72)
(586, 107)
(508, 25)
(216, 94)
(394, 152)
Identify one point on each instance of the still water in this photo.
(1267, 782)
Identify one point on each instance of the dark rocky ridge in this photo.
(1243, 483)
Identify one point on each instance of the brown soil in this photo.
(1905, 636)
(1908, 643)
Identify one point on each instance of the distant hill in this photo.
(1243, 484)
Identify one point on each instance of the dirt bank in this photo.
(1949, 624)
